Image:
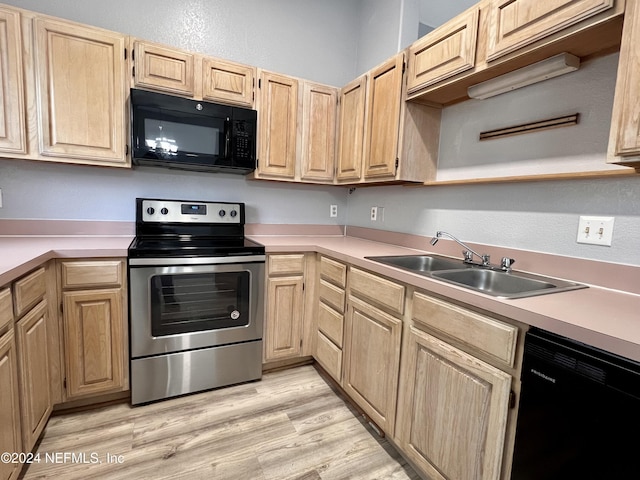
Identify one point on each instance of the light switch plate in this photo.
(595, 230)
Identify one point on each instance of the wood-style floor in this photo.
(289, 425)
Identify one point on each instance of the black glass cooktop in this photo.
(184, 246)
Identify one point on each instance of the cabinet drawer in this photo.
(91, 273)
(29, 290)
(333, 272)
(6, 309)
(329, 356)
(331, 323)
(286, 264)
(497, 339)
(377, 290)
(332, 295)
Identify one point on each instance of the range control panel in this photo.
(174, 211)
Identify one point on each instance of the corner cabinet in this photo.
(624, 141)
(80, 74)
(352, 113)
(94, 320)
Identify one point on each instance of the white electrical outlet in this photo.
(333, 210)
(374, 214)
(595, 230)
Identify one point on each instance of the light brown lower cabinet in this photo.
(94, 324)
(94, 350)
(10, 425)
(372, 362)
(452, 410)
(33, 353)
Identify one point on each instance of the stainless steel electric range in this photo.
(195, 299)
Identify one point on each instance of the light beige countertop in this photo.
(605, 317)
(599, 316)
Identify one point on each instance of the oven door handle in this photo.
(196, 260)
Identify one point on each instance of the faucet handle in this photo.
(468, 256)
(507, 262)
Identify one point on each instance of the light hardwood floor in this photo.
(289, 425)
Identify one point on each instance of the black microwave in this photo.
(175, 132)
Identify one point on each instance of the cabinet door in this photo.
(94, 341)
(164, 69)
(278, 119)
(351, 130)
(372, 351)
(12, 120)
(81, 86)
(381, 139)
(452, 410)
(283, 332)
(445, 52)
(625, 124)
(10, 433)
(319, 112)
(517, 23)
(35, 394)
(228, 82)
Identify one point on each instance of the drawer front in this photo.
(92, 273)
(333, 272)
(329, 356)
(6, 309)
(332, 295)
(331, 323)
(482, 333)
(377, 290)
(286, 264)
(29, 290)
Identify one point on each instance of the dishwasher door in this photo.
(579, 408)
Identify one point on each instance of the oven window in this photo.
(195, 302)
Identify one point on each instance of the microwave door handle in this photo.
(227, 137)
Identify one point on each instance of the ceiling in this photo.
(436, 12)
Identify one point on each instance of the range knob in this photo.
(151, 210)
(164, 211)
(222, 213)
(233, 213)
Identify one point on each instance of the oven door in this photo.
(175, 308)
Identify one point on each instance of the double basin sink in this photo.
(497, 283)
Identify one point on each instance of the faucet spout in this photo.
(468, 253)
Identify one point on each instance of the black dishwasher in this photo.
(579, 414)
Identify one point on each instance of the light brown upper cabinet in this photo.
(446, 51)
(228, 82)
(81, 92)
(165, 69)
(319, 116)
(277, 126)
(517, 23)
(383, 118)
(179, 72)
(624, 142)
(351, 131)
(12, 120)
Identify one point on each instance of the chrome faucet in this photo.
(469, 253)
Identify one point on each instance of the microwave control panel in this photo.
(243, 143)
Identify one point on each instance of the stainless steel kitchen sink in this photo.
(421, 263)
(505, 284)
(497, 283)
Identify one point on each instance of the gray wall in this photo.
(317, 40)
